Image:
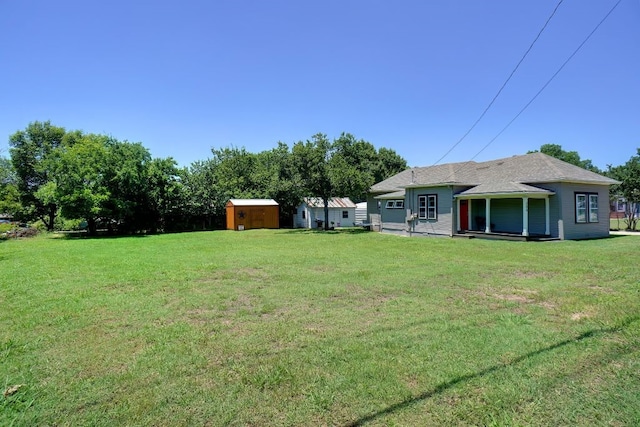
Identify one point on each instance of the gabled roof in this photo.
(253, 202)
(505, 188)
(395, 195)
(334, 202)
(529, 168)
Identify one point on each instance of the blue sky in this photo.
(182, 77)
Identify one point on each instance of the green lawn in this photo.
(620, 224)
(310, 328)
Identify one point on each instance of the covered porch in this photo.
(504, 211)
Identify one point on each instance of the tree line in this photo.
(66, 179)
(57, 177)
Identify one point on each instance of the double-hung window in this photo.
(586, 207)
(428, 206)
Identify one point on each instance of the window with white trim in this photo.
(345, 214)
(395, 204)
(428, 206)
(586, 207)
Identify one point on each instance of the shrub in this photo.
(17, 232)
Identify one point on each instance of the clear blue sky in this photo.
(411, 75)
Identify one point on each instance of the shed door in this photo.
(257, 218)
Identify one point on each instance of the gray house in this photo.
(532, 196)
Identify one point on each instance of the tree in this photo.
(353, 166)
(9, 194)
(629, 187)
(555, 150)
(199, 182)
(342, 168)
(30, 151)
(388, 164)
(166, 194)
(312, 161)
(276, 177)
(78, 185)
(126, 177)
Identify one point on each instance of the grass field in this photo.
(620, 224)
(310, 328)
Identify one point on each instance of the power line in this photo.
(503, 84)
(548, 81)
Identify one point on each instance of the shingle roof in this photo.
(504, 188)
(525, 169)
(334, 202)
(395, 195)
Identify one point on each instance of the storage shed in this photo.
(244, 214)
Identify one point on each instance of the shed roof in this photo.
(253, 202)
(334, 202)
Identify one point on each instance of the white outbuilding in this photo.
(310, 213)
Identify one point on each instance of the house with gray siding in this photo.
(532, 195)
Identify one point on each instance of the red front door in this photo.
(464, 215)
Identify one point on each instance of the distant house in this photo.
(619, 208)
(245, 214)
(531, 196)
(310, 213)
(361, 213)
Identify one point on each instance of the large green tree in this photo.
(312, 160)
(276, 178)
(9, 194)
(30, 151)
(388, 163)
(199, 182)
(345, 167)
(555, 150)
(78, 186)
(629, 187)
(166, 194)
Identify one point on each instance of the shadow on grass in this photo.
(440, 388)
(346, 230)
(82, 235)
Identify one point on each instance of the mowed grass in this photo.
(293, 327)
(620, 224)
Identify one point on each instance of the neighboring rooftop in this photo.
(334, 202)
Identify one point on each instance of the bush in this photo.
(6, 227)
(16, 232)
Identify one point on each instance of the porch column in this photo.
(525, 216)
(487, 214)
(546, 216)
(469, 223)
(458, 213)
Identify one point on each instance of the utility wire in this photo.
(503, 85)
(548, 81)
